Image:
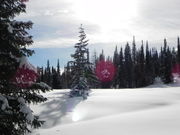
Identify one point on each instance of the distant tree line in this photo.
(51, 75)
(135, 67)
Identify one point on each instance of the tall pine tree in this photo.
(15, 115)
(80, 67)
(128, 66)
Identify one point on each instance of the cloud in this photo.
(158, 19)
(54, 43)
(56, 22)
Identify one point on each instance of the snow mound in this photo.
(144, 111)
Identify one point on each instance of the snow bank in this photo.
(145, 111)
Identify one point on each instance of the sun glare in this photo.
(76, 116)
(111, 16)
(106, 12)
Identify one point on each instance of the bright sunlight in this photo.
(108, 14)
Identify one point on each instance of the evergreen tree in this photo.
(141, 67)
(134, 51)
(148, 66)
(121, 70)
(94, 58)
(55, 79)
(174, 58)
(16, 117)
(42, 74)
(116, 57)
(166, 64)
(116, 64)
(178, 51)
(58, 68)
(134, 60)
(101, 56)
(80, 67)
(128, 66)
(48, 74)
(155, 63)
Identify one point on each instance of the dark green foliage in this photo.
(116, 64)
(52, 76)
(80, 68)
(14, 39)
(178, 51)
(121, 69)
(140, 68)
(166, 64)
(128, 66)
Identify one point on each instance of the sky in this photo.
(107, 23)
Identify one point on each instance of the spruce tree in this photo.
(134, 51)
(55, 79)
(155, 63)
(48, 73)
(80, 67)
(128, 66)
(141, 67)
(101, 56)
(121, 70)
(15, 115)
(148, 66)
(116, 64)
(178, 51)
(166, 64)
(134, 60)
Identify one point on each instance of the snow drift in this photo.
(145, 111)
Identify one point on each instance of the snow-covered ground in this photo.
(154, 110)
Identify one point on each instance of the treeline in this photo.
(51, 75)
(138, 67)
(135, 67)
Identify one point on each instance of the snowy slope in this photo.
(147, 111)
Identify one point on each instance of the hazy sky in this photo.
(107, 23)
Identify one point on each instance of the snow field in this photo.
(145, 111)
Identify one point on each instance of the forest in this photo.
(134, 67)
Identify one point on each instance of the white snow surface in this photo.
(145, 111)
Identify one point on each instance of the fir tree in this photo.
(55, 79)
(116, 64)
(58, 68)
(134, 60)
(101, 56)
(174, 60)
(80, 67)
(134, 51)
(121, 70)
(178, 51)
(48, 74)
(155, 63)
(141, 67)
(166, 64)
(148, 66)
(128, 66)
(16, 117)
(94, 58)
